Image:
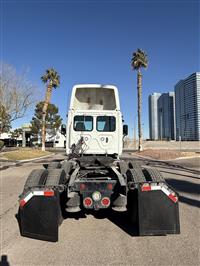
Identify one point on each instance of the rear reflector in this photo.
(164, 188)
(105, 201)
(173, 198)
(87, 202)
(146, 188)
(22, 203)
(49, 193)
(46, 193)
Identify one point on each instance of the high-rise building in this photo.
(166, 116)
(187, 95)
(153, 115)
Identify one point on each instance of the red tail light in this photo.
(110, 186)
(105, 201)
(82, 186)
(87, 202)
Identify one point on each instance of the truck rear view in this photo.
(93, 177)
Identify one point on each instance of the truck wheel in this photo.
(54, 165)
(55, 178)
(136, 175)
(36, 178)
(153, 174)
(123, 167)
(134, 164)
(67, 167)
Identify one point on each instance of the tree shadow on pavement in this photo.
(192, 202)
(184, 186)
(163, 164)
(189, 176)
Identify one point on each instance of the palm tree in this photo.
(52, 80)
(138, 61)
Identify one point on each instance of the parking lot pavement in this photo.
(102, 239)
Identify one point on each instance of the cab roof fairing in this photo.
(95, 86)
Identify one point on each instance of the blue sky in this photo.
(93, 41)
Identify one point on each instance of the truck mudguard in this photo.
(40, 215)
(158, 210)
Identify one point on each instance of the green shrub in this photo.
(1, 144)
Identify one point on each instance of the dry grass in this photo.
(163, 154)
(24, 154)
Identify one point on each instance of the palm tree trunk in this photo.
(44, 113)
(139, 92)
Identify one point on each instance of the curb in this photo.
(34, 159)
(24, 161)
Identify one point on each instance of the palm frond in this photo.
(139, 59)
(51, 77)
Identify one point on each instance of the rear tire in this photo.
(123, 167)
(136, 175)
(55, 178)
(54, 165)
(36, 178)
(153, 175)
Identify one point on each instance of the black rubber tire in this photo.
(55, 178)
(67, 166)
(134, 164)
(36, 178)
(136, 175)
(153, 174)
(123, 167)
(54, 165)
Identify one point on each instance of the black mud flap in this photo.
(40, 217)
(158, 213)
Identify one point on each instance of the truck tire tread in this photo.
(55, 177)
(36, 178)
(153, 174)
(123, 166)
(54, 165)
(136, 175)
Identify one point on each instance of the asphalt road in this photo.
(101, 239)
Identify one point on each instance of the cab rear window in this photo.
(83, 123)
(106, 123)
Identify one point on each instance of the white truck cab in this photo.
(94, 115)
(92, 177)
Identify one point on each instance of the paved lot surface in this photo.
(172, 145)
(101, 239)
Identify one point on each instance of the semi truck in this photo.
(93, 176)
